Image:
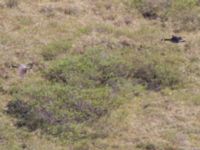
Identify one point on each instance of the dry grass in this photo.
(164, 120)
(174, 127)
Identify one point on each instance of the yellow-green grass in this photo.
(78, 39)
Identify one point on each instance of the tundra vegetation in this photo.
(102, 77)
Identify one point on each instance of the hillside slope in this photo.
(102, 75)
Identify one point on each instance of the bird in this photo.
(175, 39)
(23, 68)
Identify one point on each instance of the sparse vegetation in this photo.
(12, 3)
(102, 75)
(182, 14)
(151, 9)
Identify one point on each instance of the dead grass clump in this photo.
(2, 5)
(12, 3)
(3, 73)
(147, 146)
(52, 10)
(72, 10)
(182, 14)
(188, 22)
(126, 42)
(47, 11)
(151, 9)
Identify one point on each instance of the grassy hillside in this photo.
(102, 76)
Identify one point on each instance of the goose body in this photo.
(175, 39)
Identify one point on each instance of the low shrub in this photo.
(55, 48)
(53, 107)
(81, 88)
(89, 70)
(31, 117)
(158, 76)
(18, 108)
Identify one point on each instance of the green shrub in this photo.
(89, 70)
(157, 76)
(55, 48)
(78, 90)
(55, 108)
